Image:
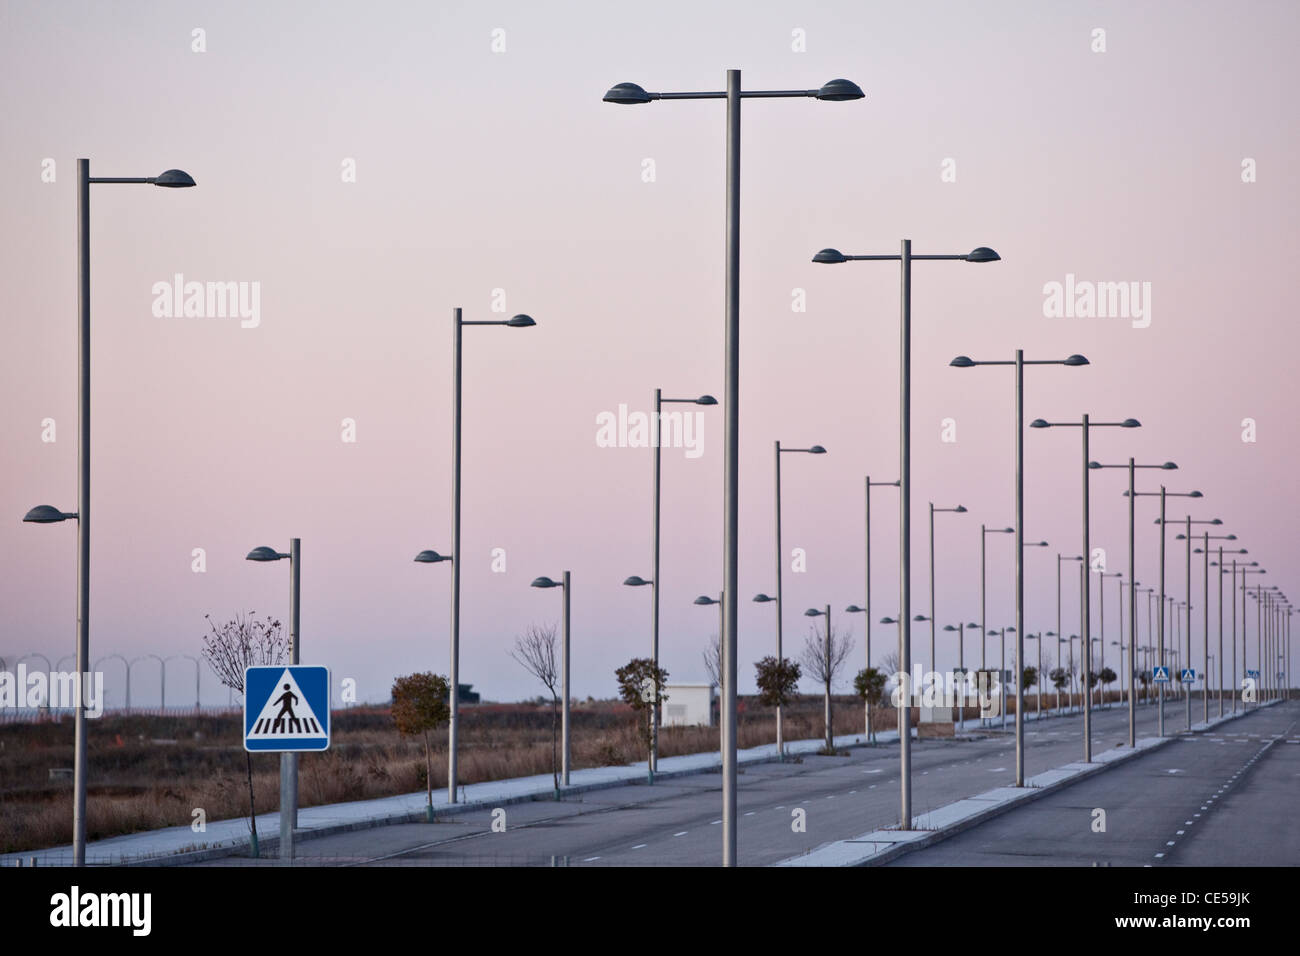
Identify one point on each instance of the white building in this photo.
(687, 705)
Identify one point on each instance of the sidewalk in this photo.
(230, 837)
(881, 846)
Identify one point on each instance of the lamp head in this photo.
(174, 179)
(982, 254)
(627, 94)
(431, 557)
(838, 90)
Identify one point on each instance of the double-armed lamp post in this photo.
(630, 94)
(1085, 426)
(905, 259)
(1019, 363)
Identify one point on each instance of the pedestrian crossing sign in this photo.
(1254, 674)
(1161, 675)
(1189, 675)
(286, 708)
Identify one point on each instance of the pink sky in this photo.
(479, 171)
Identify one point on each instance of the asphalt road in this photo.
(1225, 797)
(677, 822)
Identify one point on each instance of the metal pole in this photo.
(731, 492)
(1187, 639)
(1087, 607)
(654, 595)
(1132, 612)
(932, 625)
(453, 720)
(780, 597)
(830, 731)
(80, 769)
(564, 766)
(1020, 565)
(1235, 684)
(289, 761)
(1160, 653)
(1221, 661)
(870, 734)
(905, 530)
(1101, 632)
(1059, 711)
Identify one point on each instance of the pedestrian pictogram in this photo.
(286, 708)
(1161, 675)
(1188, 675)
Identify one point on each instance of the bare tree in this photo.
(824, 655)
(232, 647)
(535, 651)
(713, 659)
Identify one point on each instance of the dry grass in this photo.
(152, 772)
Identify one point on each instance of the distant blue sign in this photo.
(1254, 674)
(287, 708)
(1188, 675)
(1161, 675)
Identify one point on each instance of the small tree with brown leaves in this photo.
(778, 683)
(535, 651)
(232, 648)
(419, 706)
(641, 686)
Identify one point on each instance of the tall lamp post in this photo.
(1204, 550)
(565, 749)
(1222, 660)
(1132, 493)
(905, 259)
(1085, 427)
(630, 94)
(453, 723)
(1060, 634)
(826, 658)
(1163, 494)
(659, 402)
(1246, 571)
(1102, 575)
(1019, 363)
(961, 510)
(961, 666)
(985, 531)
(288, 761)
(780, 607)
(45, 514)
(1187, 640)
(869, 484)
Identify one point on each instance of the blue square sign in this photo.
(287, 708)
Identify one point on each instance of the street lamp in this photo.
(44, 514)
(984, 533)
(288, 761)
(1205, 552)
(961, 510)
(458, 324)
(1085, 427)
(126, 666)
(962, 361)
(961, 665)
(905, 259)
(1187, 537)
(814, 450)
(1059, 631)
(826, 668)
(871, 732)
(1163, 494)
(659, 402)
(1132, 466)
(545, 582)
(631, 94)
